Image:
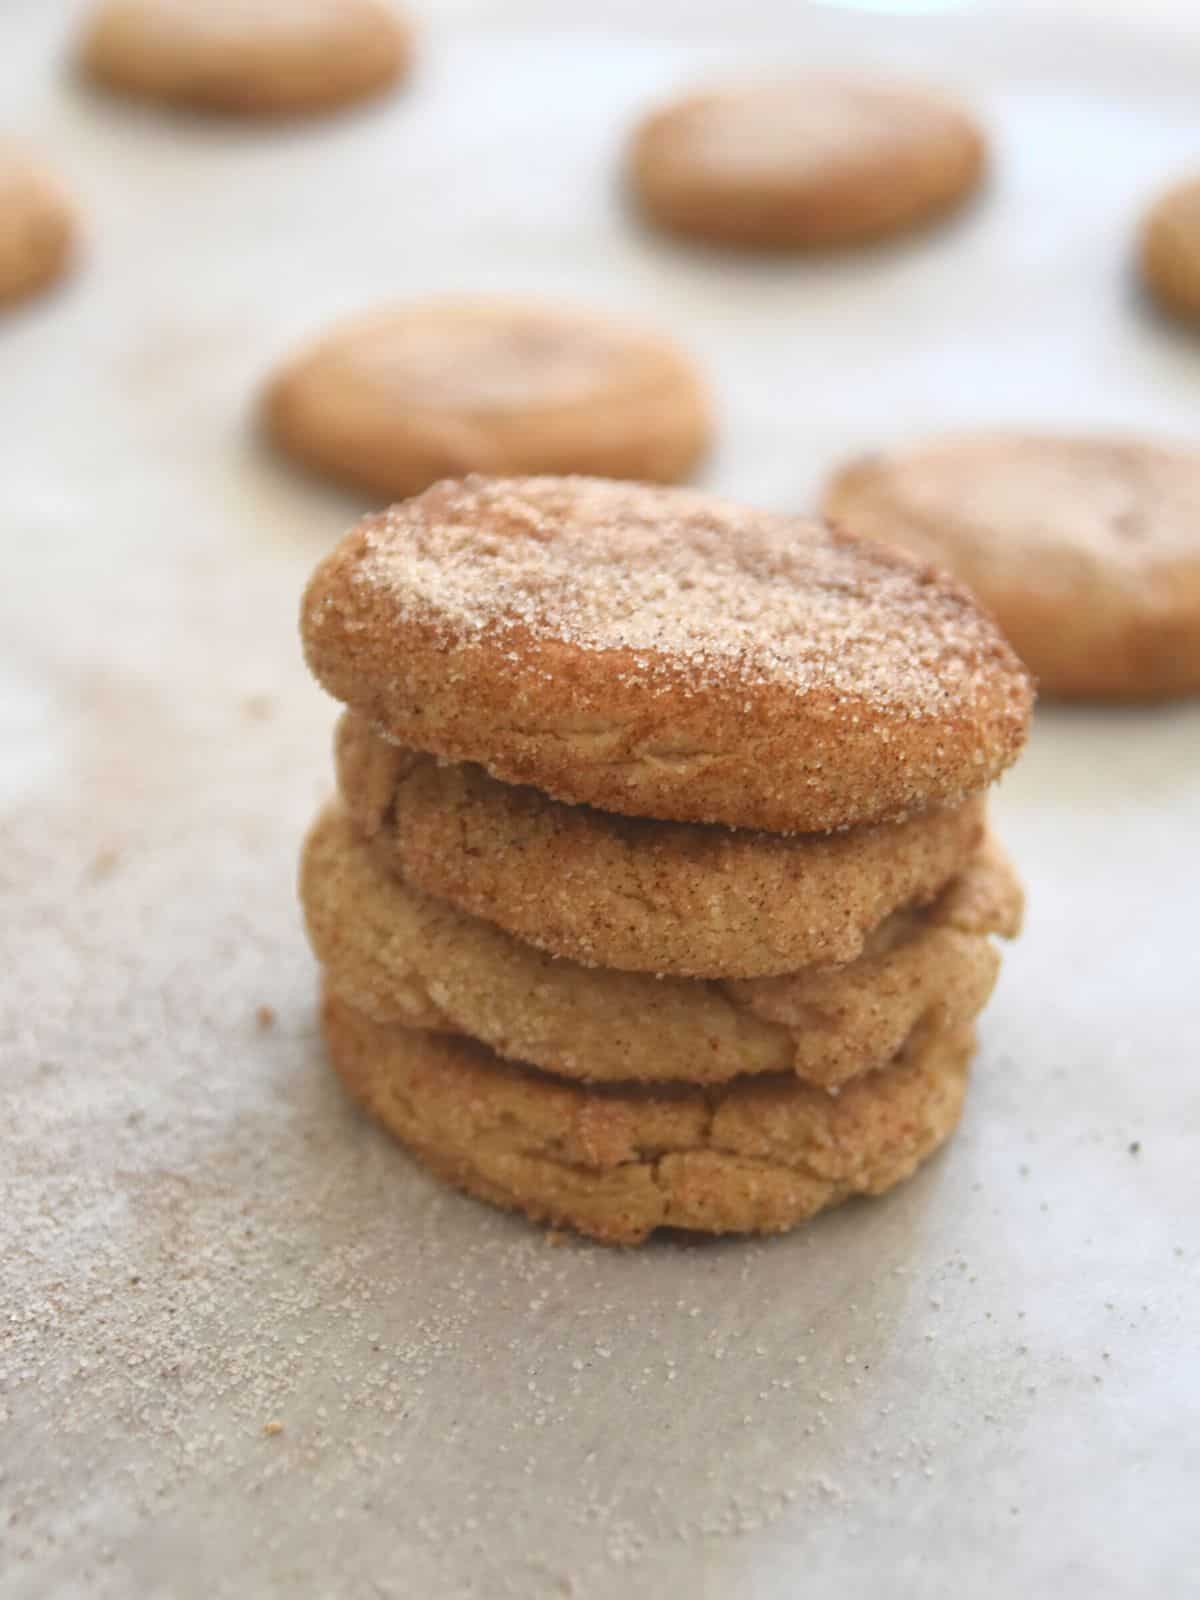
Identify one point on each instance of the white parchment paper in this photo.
(247, 1348)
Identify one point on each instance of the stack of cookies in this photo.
(659, 891)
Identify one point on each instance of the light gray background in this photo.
(984, 1385)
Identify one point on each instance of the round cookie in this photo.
(811, 163)
(257, 57)
(1169, 250)
(37, 227)
(663, 653)
(758, 1156)
(636, 895)
(393, 401)
(1086, 550)
(400, 956)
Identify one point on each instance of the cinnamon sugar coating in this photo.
(400, 956)
(636, 895)
(664, 653)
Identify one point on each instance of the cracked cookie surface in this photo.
(401, 956)
(663, 653)
(636, 895)
(758, 1156)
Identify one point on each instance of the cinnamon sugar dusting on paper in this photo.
(686, 583)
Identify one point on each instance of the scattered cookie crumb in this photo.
(265, 1017)
(104, 863)
(272, 1428)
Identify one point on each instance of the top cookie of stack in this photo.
(662, 653)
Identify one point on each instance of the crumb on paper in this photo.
(265, 1017)
(258, 707)
(272, 1428)
(104, 862)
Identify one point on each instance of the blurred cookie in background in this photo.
(1086, 550)
(38, 226)
(1169, 250)
(392, 401)
(255, 57)
(815, 162)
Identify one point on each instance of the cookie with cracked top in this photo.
(637, 895)
(665, 653)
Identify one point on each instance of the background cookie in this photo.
(812, 162)
(263, 57)
(664, 653)
(1170, 250)
(37, 226)
(755, 1157)
(1087, 551)
(394, 401)
(398, 955)
(637, 895)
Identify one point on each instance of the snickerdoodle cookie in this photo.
(663, 653)
(393, 401)
(756, 1156)
(1086, 550)
(808, 163)
(637, 895)
(1169, 250)
(258, 57)
(398, 955)
(37, 226)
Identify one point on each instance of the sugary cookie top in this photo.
(665, 653)
(677, 581)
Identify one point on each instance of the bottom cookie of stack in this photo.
(755, 1155)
